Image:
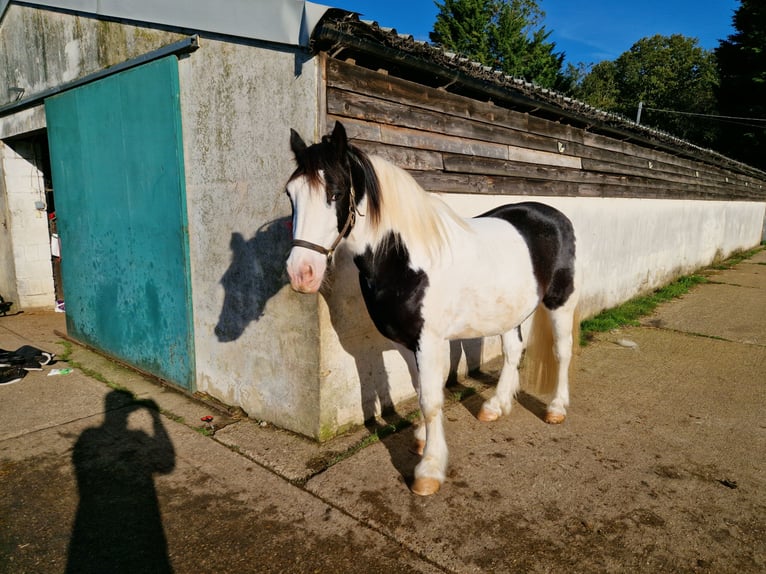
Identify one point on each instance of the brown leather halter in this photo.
(350, 219)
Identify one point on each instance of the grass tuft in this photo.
(736, 258)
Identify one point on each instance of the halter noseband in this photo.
(350, 219)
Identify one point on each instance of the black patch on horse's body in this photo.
(393, 291)
(550, 239)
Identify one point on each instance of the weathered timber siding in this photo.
(455, 144)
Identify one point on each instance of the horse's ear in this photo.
(339, 139)
(297, 144)
(237, 241)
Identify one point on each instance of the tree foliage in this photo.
(505, 34)
(742, 90)
(668, 74)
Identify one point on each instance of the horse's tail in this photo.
(540, 362)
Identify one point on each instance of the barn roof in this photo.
(344, 35)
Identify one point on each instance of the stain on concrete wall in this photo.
(41, 49)
(256, 341)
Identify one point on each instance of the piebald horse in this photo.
(429, 276)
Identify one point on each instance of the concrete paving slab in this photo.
(658, 448)
(746, 274)
(38, 327)
(297, 458)
(97, 495)
(40, 401)
(730, 312)
(207, 506)
(657, 467)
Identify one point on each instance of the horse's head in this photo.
(324, 206)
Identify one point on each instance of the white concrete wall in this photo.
(26, 242)
(256, 342)
(39, 50)
(626, 247)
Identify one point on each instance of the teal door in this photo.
(118, 179)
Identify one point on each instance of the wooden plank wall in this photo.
(452, 143)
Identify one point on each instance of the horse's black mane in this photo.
(338, 160)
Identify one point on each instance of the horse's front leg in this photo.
(433, 366)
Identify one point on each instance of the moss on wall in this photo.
(42, 48)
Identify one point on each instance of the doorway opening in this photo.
(34, 278)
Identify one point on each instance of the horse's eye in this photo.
(336, 196)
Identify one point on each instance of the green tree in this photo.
(505, 34)
(598, 86)
(742, 90)
(673, 76)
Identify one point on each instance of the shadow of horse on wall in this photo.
(255, 275)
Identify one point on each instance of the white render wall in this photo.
(627, 247)
(26, 249)
(256, 342)
(42, 49)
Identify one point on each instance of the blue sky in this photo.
(586, 30)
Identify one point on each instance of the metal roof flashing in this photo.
(279, 21)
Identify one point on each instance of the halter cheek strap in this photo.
(350, 219)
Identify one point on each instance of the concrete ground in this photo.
(659, 467)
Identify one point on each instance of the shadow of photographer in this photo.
(118, 526)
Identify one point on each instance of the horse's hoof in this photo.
(487, 416)
(554, 418)
(426, 486)
(418, 447)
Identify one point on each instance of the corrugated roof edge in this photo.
(339, 27)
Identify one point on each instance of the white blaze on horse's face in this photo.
(314, 220)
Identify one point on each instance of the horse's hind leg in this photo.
(508, 384)
(433, 366)
(562, 322)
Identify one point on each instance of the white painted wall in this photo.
(626, 246)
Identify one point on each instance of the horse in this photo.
(428, 276)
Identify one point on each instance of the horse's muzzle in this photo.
(306, 270)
